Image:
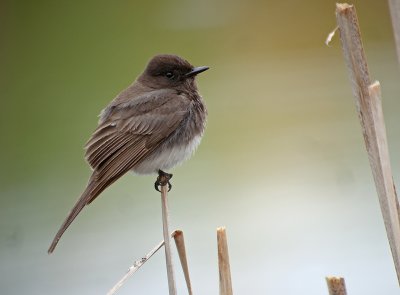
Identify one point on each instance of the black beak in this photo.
(195, 71)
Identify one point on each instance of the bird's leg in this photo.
(163, 179)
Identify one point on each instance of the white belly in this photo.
(167, 158)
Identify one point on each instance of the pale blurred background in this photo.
(282, 164)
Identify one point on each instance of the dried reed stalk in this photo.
(167, 241)
(180, 246)
(225, 282)
(394, 7)
(336, 286)
(369, 107)
(136, 265)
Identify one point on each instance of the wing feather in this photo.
(129, 130)
(125, 137)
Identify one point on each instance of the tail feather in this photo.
(82, 202)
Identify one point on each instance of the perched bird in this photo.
(153, 125)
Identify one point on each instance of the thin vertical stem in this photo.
(167, 240)
(225, 282)
(394, 6)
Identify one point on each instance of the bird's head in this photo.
(169, 71)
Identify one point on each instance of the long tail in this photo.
(89, 194)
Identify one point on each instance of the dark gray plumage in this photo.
(154, 124)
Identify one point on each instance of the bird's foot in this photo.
(162, 180)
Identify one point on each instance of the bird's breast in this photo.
(167, 157)
(180, 144)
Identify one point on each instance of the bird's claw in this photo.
(162, 180)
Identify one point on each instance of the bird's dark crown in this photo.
(162, 64)
(170, 71)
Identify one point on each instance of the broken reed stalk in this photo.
(136, 265)
(369, 108)
(394, 7)
(225, 282)
(167, 240)
(336, 286)
(180, 246)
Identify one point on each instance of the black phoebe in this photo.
(153, 125)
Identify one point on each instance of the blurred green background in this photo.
(282, 164)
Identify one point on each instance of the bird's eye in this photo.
(169, 75)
